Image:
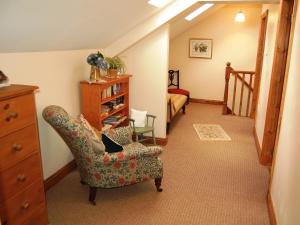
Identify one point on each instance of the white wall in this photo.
(285, 188)
(266, 69)
(57, 74)
(147, 61)
(232, 42)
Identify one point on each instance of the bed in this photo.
(176, 102)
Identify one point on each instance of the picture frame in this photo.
(200, 48)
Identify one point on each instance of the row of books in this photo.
(113, 120)
(114, 104)
(110, 91)
(106, 110)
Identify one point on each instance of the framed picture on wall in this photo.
(200, 48)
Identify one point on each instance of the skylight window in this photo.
(198, 11)
(158, 3)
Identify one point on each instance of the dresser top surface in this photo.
(15, 90)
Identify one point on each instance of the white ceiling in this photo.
(39, 25)
(48, 25)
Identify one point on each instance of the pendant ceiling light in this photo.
(240, 17)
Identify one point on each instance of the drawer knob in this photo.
(6, 106)
(25, 205)
(17, 147)
(12, 115)
(21, 178)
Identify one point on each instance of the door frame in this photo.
(277, 81)
(259, 61)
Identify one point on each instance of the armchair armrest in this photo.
(149, 115)
(108, 158)
(154, 150)
(131, 121)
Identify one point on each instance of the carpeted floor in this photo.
(205, 182)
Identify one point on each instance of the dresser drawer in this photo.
(16, 146)
(16, 113)
(17, 178)
(23, 207)
(39, 217)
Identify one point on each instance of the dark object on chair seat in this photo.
(110, 145)
(177, 90)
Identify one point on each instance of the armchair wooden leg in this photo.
(183, 109)
(92, 197)
(158, 184)
(168, 127)
(137, 138)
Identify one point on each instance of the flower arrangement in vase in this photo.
(97, 62)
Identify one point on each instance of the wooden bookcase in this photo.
(96, 96)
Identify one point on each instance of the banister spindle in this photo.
(234, 93)
(242, 93)
(249, 95)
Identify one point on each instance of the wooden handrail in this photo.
(238, 75)
(241, 79)
(245, 72)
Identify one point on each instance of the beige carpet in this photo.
(205, 183)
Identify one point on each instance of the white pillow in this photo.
(139, 117)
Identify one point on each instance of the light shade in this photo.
(198, 11)
(240, 17)
(158, 3)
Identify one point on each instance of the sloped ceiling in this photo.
(48, 25)
(35, 25)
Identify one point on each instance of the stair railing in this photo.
(238, 75)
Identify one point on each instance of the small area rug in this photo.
(211, 132)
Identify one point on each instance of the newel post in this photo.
(228, 70)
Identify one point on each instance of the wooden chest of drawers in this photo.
(22, 196)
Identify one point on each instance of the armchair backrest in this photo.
(73, 133)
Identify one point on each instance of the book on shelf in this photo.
(110, 91)
(112, 120)
(116, 89)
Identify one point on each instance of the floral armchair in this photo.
(136, 163)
